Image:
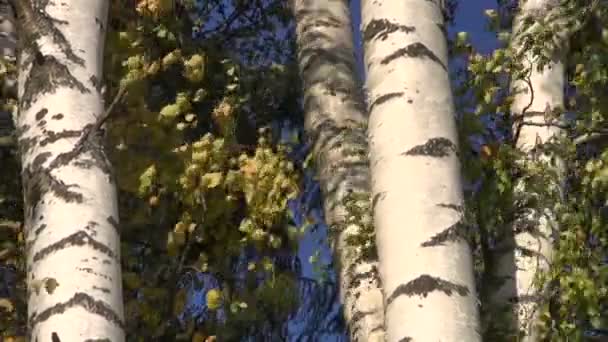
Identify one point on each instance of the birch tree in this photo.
(537, 90)
(336, 122)
(71, 211)
(425, 260)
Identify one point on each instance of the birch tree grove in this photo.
(425, 260)
(538, 100)
(335, 120)
(71, 215)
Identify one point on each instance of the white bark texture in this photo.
(336, 123)
(71, 216)
(529, 250)
(425, 260)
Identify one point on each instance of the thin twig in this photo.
(104, 117)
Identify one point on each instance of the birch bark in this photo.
(335, 121)
(425, 260)
(71, 216)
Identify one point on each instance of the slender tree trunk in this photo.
(71, 216)
(425, 261)
(529, 248)
(336, 123)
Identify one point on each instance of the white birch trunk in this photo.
(71, 217)
(336, 122)
(529, 250)
(425, 261)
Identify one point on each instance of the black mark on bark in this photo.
(453, 233)
(414, 50)
(434, 147)
(384, 98)
(381, 28)
(425, 284)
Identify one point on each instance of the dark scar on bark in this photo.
(381, 28)
(414, 50)
(434, 147)
(425, 284)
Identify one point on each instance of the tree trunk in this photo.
(527, 249)
(336, 122)
(71, 216)
(425, 260)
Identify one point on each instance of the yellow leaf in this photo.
(214, 299)
(212, 179)
(249, 168)
(6, 305)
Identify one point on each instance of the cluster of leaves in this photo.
(576, 293)
(194, 196)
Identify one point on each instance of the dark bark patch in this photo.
(385, 98)
(114, 223)
(371, 276)
(89, 270)
(57, 116)
(455, 207)
(40, 159)
(377, 198)
(97, 84)
(40, 229)
(102, 289)
(52, 137)
(425, 284)
(442, 28)
(46, 75)
(26, 144)
(89, 142)
(82, 300)
(381, 28)
(41, 114)
(36, 22)
(38, 181)
(455, 232)
(99, 23)
(406, 339)
(55, 337)
(80, 238)
(417, 50)
(434, 147)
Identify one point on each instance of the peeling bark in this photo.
(425, 259)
